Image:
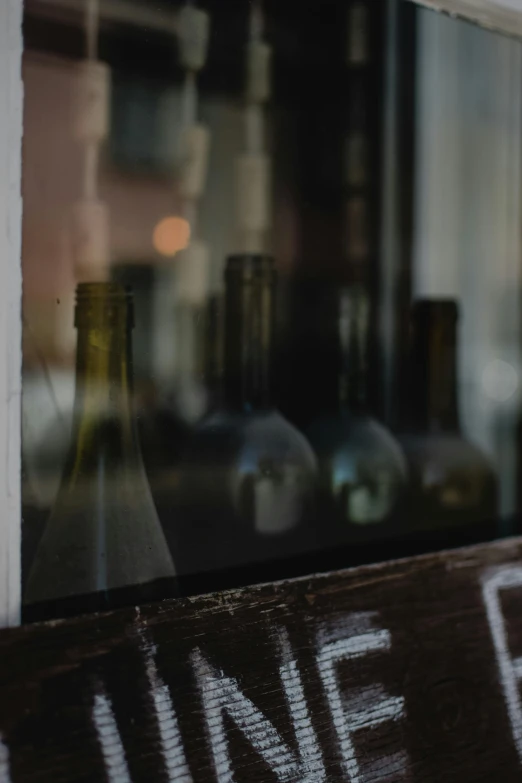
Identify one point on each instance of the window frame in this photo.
(502, 15)
(11, 103)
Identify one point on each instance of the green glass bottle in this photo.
(453, 489)
(103, 544)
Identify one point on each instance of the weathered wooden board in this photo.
(504, 16)
(408, 671)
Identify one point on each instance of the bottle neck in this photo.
(353, 336)
(249, 332)
(103, 373)
(103, 368)
(434, 366)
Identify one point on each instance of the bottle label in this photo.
(278, 501)
(370, 503)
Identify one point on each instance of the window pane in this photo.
(295, 339)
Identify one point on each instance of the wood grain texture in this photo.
(406, 671)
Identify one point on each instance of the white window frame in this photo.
(502, 15)
(11, 99)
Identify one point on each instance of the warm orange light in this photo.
(171, 235)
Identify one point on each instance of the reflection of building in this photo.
(51, 184)
(139, 196)
(137, 182)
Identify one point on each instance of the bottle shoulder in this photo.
(349, 434)
(450, 450)
(256, 434)
(251, 473)
(100, 535)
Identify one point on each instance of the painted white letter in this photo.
(348, 721)
(221, 694)
(171, 743)
(313, 770)
(110, 740)
(510, 668)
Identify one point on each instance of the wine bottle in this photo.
(103, 544)
(453, 488)
(361, 467)
(248, 478)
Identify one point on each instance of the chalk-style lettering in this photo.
(510, 668)
(309, 750)
(220, 695)
(377, 709)
(110, 740)
(171, 742)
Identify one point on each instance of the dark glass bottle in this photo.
(453, 489)
(248, 478)
(103, 544)
(362, 468)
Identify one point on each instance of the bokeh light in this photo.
(171, 235)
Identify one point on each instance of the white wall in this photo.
(10, 298)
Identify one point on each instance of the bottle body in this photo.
(453, 488)
(247, 489)
(103, 537)
(248, 478)
(103, 534)
(362, 476)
